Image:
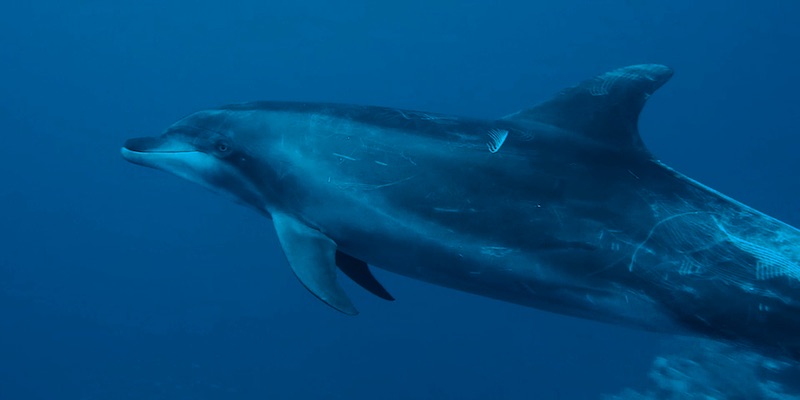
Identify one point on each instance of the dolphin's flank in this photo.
(559, 207)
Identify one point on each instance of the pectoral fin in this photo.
(359, 272)
(312, 256)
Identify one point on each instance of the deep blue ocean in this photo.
(120, 282)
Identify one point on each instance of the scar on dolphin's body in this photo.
(496, 139)
(559, 206)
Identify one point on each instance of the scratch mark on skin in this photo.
(405, 157)
(557, 215)
(381, 163)
(652, 231)
(495, 251)
(528, 288)
(394, 183)
(428, 117)
(769, 263)
(604, 83)
(688, 267)
(414, 115)
(367, 187)
(701, 319)
(344, 157)
(282, 171)
(453, 210)
(634, 175)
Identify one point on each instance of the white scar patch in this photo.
(603, 84)
(496, 139)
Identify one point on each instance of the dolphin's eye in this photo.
(222, 147)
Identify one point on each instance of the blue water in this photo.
(122, 282)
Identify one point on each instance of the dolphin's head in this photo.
(214, 148)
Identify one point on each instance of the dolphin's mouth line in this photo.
(152, 158)
(160, 152)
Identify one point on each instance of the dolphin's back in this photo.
(392, 119)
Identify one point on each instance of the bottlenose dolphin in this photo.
(558, 207)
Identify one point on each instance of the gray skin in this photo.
(558, 207)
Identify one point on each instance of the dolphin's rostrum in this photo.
(559, 207)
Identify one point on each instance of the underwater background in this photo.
(122, 282)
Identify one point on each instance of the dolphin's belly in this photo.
(557, 279)
(707, 266)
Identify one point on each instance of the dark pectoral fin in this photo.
(359, 272)
(311, 255)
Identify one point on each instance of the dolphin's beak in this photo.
(144, 151)
(145, 144)
(175, 155)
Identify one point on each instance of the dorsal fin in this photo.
(605, 108)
